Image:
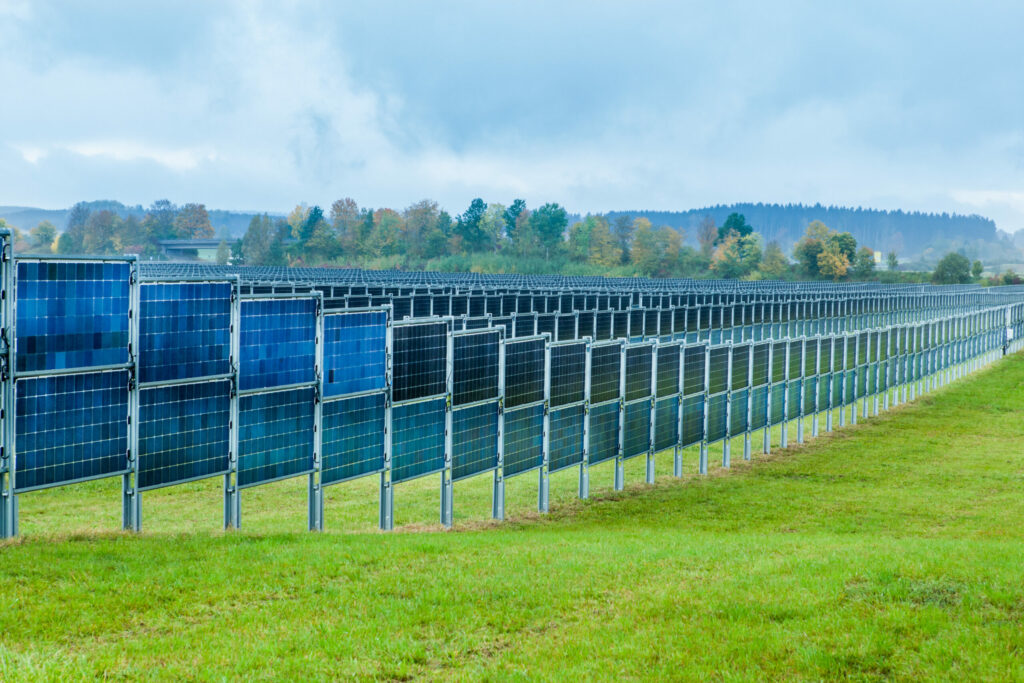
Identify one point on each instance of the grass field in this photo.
(890, 549)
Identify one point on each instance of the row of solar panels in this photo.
(167, 382)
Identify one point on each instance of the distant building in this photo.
(193, 250)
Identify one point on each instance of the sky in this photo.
(594, 104)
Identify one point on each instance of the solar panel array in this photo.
(258, 375)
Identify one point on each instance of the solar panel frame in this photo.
(355, 351)
(281, 414)
(419, 359)
(565, 442)
(605, 371)
(476, 366)
(603, 432)
(474, 440)
(353, 437)
(273, 356)
(523, 435)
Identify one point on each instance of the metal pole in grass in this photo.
(654, 412)
(677, 453)
(446, 473)
(543, 479)
(498, 492)
(619, 476)
(316, 490)
(131, 512)
(232, 507)
(8, 500)
(584, 484)
(386, 515)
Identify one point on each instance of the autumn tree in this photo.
(655, 250)
(591, 241)
(550, 223)
(893, 260)
(736, 255)
(774, 264)
(737, 223)
(953, 269)
(622, 231)
(43, 235)
(192, 221)
(256, 242)
(223, 253)
(707, 235)
(864, 263)
(469, 229)
(346, 221)
(832, 261)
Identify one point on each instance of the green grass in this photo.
(890, 549)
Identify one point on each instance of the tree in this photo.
(864, 263)
(420, 232)
(737, 223)
(159, 221)
(707, 235)
(468, 227)
(655, 250)
(953, 269)
(192, 222)
(44, 235)
(622, 232)
(314, 217)
(893, 260)
(591, 241)
(493, 226)
(977, 269)
(256, 243)
(386, 237)
(73, 237)
(736, 256)
(511, 216)
(844, 243)
(774, 263)
(810, 247)
(297, 218)
(102, 233)
(550, 223)
(345, 221)
(223, 253)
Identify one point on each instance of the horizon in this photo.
(593, 107)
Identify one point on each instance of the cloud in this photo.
(596, 105)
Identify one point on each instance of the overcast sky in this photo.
(596, 105)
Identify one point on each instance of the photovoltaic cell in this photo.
(738, 412)
(417, 446)
(71, 314)
(638, 371)
(355, 355)
(666, 423)
(420, 360)
(523, 439)
(693, 369)
(475, 372)
(524, 372)
(604, 432)
(70, 427)
(474, 440)
(823, 391)
(761, 363)
(353, 437)
(778, 403)
(778, 361)
(278, 343)
(810, 395)
(565, 443)
(184, 330)
(718, 380)
(567, 367)
(636, 438)
(740, 366)
(183, 432)
(693, 420)
(796, 357)
(717, 413)
(668, 370)
(794, 407)
(758, 407)
(605, 365)
(275, 435)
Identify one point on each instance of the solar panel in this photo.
(70, 427)
(668, 370)
(353, 437)
(475, 371)
(523, 440)
(184, 432)
(417, 442)
(778, 361)
(278, 343)
(758, 407)
(474, 440)
(71, 314)
(794, 406)
(420, 360)
(666, 423)
(738, 412)
(718, 380)
(693, 369)
(810, 395)
(565, 443)
(605, 365)
(275, 435)
(717, 413)
(740, 366)
(639, 361)
(604, 433)
(778, 403)
(760, 370)
(636, 438)
(355, 354)
(567, 367)
(524, 372)
(184, 330)
(796, 355)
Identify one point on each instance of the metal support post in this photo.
(131, 504)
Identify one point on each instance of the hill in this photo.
(890, 550)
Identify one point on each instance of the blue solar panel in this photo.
(693, 369)
(524, 372)
(353, 437)
(278, 343)
(795, 405)
(183, 432)
(693, 420)
(636, 438)
(738, 412)
(184, 330)
(604, 432)
(759, 407)
(668, 370)
(355, 354)
(565, 444)
(567, 369)
(605, 366)
(523, 439)
(638, 371)
(275, 435)
(475, 371)
(717, 408)
(420, 361)
(70, 427)
(417, 445)
(666, 423)
(71, 315)
(474, 440)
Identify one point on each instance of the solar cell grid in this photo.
(275, 435)
(738, 412)
(70, 427)
(778, 408)
(524, 372)
(523, 440)
(636, 438)
(353, 437)
(603, 433)
(717, 415)
(758, 407)
(718, 378)
(740, 366)
(71, 314)
(474, 440)
(639, 366)
(420, 359)
(605, 366)
(668, 369)
(760, 373)
(475, 372)
(666, 423)
(355, 354)
(277, 343)
(184, 330)
(417, 446)
(567, 367)
(693, 369)
(565, 443)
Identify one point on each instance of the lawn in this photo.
(889, 549)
